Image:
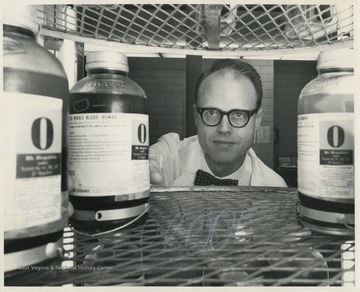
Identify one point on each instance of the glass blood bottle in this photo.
(108, 146)
(326, 145)
(35, 191)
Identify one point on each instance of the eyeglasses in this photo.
(212, 116)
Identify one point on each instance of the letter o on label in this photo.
(142, 133)
(336, 136)
(42, 133)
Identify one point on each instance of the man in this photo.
(227, 112)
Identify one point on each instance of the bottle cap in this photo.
(21, 16)
(339, 58)
(107, 60)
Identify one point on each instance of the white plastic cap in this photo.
(106, 60)
(339, 58)
(21, 16)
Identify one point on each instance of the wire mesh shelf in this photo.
(226, 236)
(203, 27)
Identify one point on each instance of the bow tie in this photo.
(204, 178)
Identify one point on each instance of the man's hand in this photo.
(156, 177)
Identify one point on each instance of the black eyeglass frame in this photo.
(249, 113)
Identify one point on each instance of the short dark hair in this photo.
(239, 68)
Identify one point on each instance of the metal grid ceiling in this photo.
(202, 27)
(228, 237)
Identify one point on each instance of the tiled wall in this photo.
(163, 80)
(289, 79)
(265, 148)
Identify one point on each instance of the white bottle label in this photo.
(108, 154)
(31, 159)
(325, 155)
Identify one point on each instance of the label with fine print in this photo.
(31, 159)
(325, 155)
(108, 153)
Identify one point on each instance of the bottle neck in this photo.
(337, 71)
(18, 30)
(106, 71)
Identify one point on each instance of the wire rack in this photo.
(203, 27)
(228, 236)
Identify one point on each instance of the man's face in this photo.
(224, 144)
